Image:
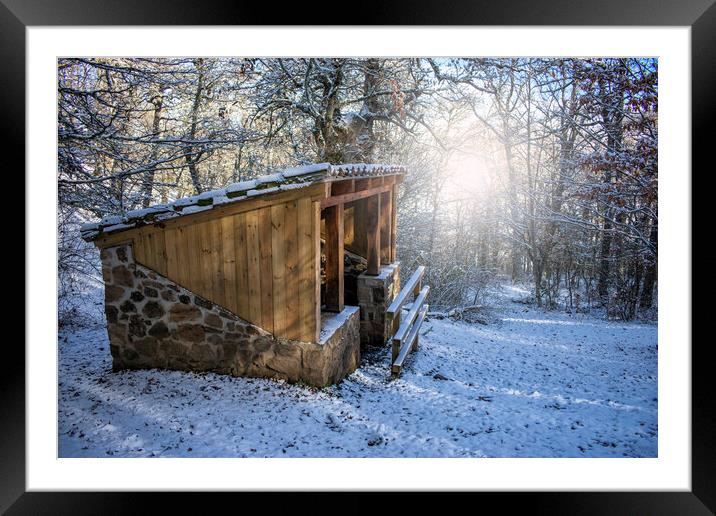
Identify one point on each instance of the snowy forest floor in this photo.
(531, 383)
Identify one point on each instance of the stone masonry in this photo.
(375, 293)
(154, 323)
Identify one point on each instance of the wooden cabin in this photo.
(283, 276)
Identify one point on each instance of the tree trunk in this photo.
(360, 149)
(236, 172)
(612, 121)
(330, 136)
(148, 183)
(647, 291)
(604, 257)
(512, 191)
(537, 277)
(192, 156)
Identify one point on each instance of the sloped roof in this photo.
(290, 179)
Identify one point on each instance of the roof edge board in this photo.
(289, 179)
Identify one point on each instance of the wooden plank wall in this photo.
(262, 264)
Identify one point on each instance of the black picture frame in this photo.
(700, 15)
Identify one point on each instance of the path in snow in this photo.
(534, 384)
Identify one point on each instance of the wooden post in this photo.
(393, 222)
(334, 258)
(316, 264)
(386, 215)
(418, 286)
(372, 220)
(396, 322)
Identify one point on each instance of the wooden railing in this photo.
(405, 331)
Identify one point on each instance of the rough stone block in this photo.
(190, 332)
(182, 313)
(375, 293)
(122, 276)
(213, 320)
(113, 293)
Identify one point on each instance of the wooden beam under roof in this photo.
(353, 196)
(343, 187)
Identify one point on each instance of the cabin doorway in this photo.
(354, 262)
(357, 237)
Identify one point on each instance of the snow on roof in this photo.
(289, 179)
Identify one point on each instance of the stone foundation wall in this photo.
(154, 323)
(375, 293)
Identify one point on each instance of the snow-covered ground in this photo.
(530, 384)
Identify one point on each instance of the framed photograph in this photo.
(427, 251)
